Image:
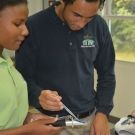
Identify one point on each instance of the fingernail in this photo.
(51, 117)
(61, 107)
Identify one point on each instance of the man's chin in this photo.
(75, 29)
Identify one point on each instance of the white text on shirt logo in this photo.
(88, 41)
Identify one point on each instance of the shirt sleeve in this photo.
(104, 65)
(26, 59)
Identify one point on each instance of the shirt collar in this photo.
(6, 59)
(55, 16)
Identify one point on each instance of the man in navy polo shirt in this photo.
(66, 42)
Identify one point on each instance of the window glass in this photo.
(122, 7)
(120, 16)
(123, 35)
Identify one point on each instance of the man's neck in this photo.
(58, 10)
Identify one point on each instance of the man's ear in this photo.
(62, 2)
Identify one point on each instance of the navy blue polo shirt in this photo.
(56, 58)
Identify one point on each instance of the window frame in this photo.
(108, 16)
(107, 9)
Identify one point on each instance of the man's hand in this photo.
(133, 113)
(50, 100)
(100, 125)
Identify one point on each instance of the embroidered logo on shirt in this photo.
(88, 41)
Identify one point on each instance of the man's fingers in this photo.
(52, 107)
(92, 130)
(133, 113)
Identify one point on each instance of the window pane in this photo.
(123, 35)
(123, 7)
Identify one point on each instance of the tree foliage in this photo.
(123, 31)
